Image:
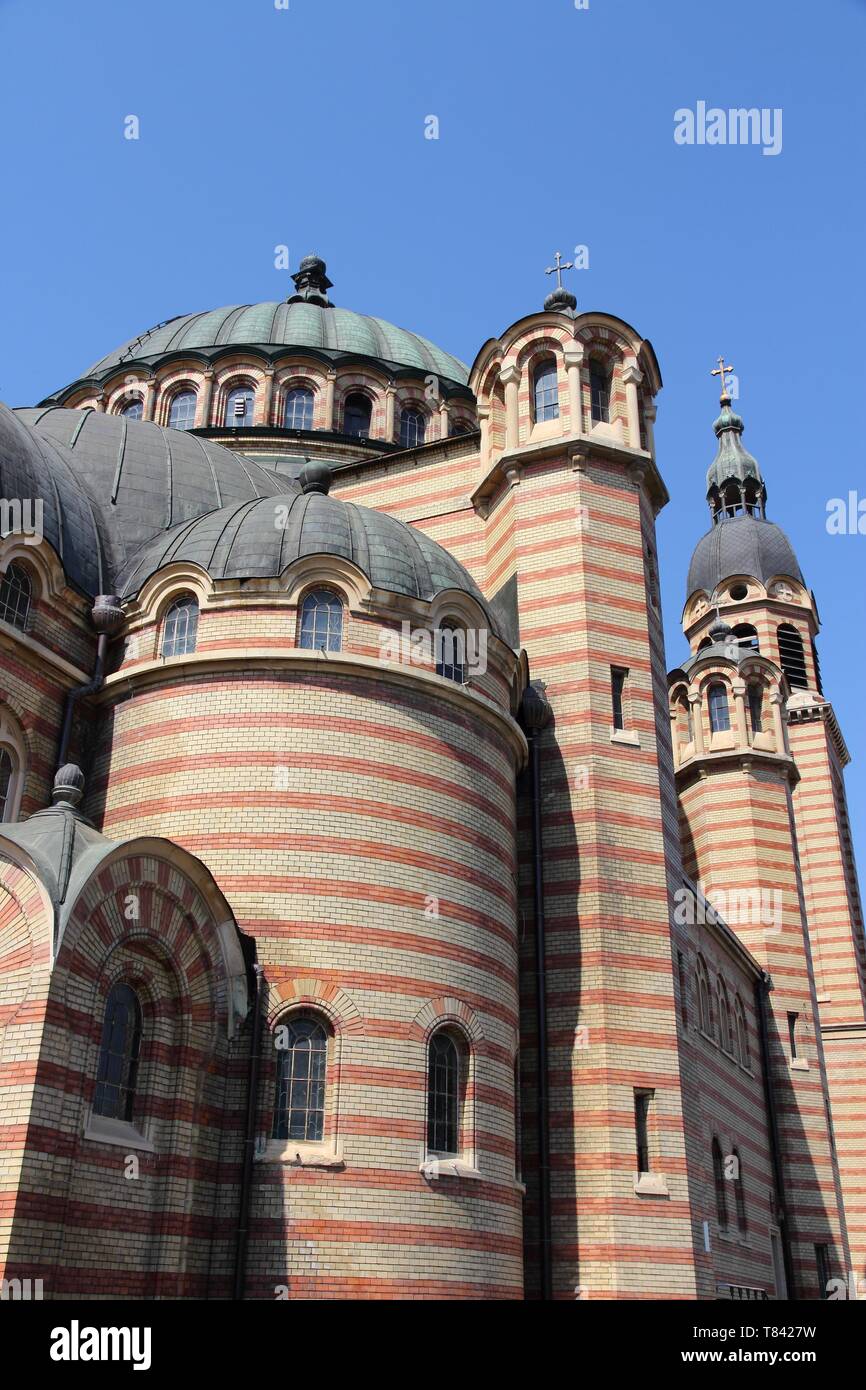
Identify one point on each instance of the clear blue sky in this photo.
(306, 127)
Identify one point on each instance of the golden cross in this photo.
(720, 370)
(559, 268)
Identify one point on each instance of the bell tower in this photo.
(759, 759)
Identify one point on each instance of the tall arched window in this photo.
(726, 1024)
(134, 410)
(321, 627)
(413, 427)
(298, 409)
(704, 1005)
(740, 1193)
(7, 779)
(239, 407)
(180, 627)
(302, 1064)
(719, 1180)
(792, 656)
(451, 653)
(16, 593)
(181, 412)
(545, 390)
(756, 706)
(444, 1093)
(717, 700)
(357, 414)
(599, 391)
(742, 1032)
(118, 1054)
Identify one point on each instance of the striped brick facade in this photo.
(361, 827)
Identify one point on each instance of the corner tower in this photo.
(759, 759)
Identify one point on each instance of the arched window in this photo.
(7, 782)
(181, 412)
(719, 1180)
(742, 1032)
(704, 1005)
(791, 656)
(298, 410)
(180, 627)
(545, 390)
(461, 427)
(412, 428)
(685, 724)
(747, 636)
(756, 706)
(118, 1054)
(726, 1025)
(239, 407)
(717, 700)
(740, 1192)
(357, 414)
(302, 1064)
(599, 391)
(16, 593)
(451, 653)
(444, 1093)
(321, 626)
(134, 410)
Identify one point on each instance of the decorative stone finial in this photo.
(535, 710)
(68, 787)
(311, 283)
(720, 631)
(315, 477)
(107, 613)
(560, 299)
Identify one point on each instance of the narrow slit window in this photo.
(618, 678)
(642, 1101)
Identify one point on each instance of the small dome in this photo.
(32, 469)
(741, 545)
(257, 540)
(141, 478)
(732, 463)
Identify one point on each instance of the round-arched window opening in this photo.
(357, 415)
(739, 592)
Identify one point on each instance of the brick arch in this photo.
(337, 1006)
(444, 1009)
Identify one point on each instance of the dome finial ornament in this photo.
(560, 299)
(721, 370)
(311, 283)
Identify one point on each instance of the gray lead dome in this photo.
(258, 539)
(741, 545)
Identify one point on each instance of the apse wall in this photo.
(360, 819)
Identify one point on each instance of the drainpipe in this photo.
(536, 714)
(243, 1233)
(762, 989)
(106, 616)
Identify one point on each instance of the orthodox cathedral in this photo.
(380, 916)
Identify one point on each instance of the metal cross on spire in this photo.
(559, 268)
(721, 371)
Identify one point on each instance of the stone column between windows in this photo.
(649, 415)
(484, 426)
(697, 720)
(149, 399)
(390, 411)
(632, 376)
(330, 383)
(510, 378)
(444, 419)
(267, 396)
(205, 396)
(573, 355)
(779, 727)
(739, 689)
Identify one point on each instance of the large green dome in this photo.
(280, 324)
